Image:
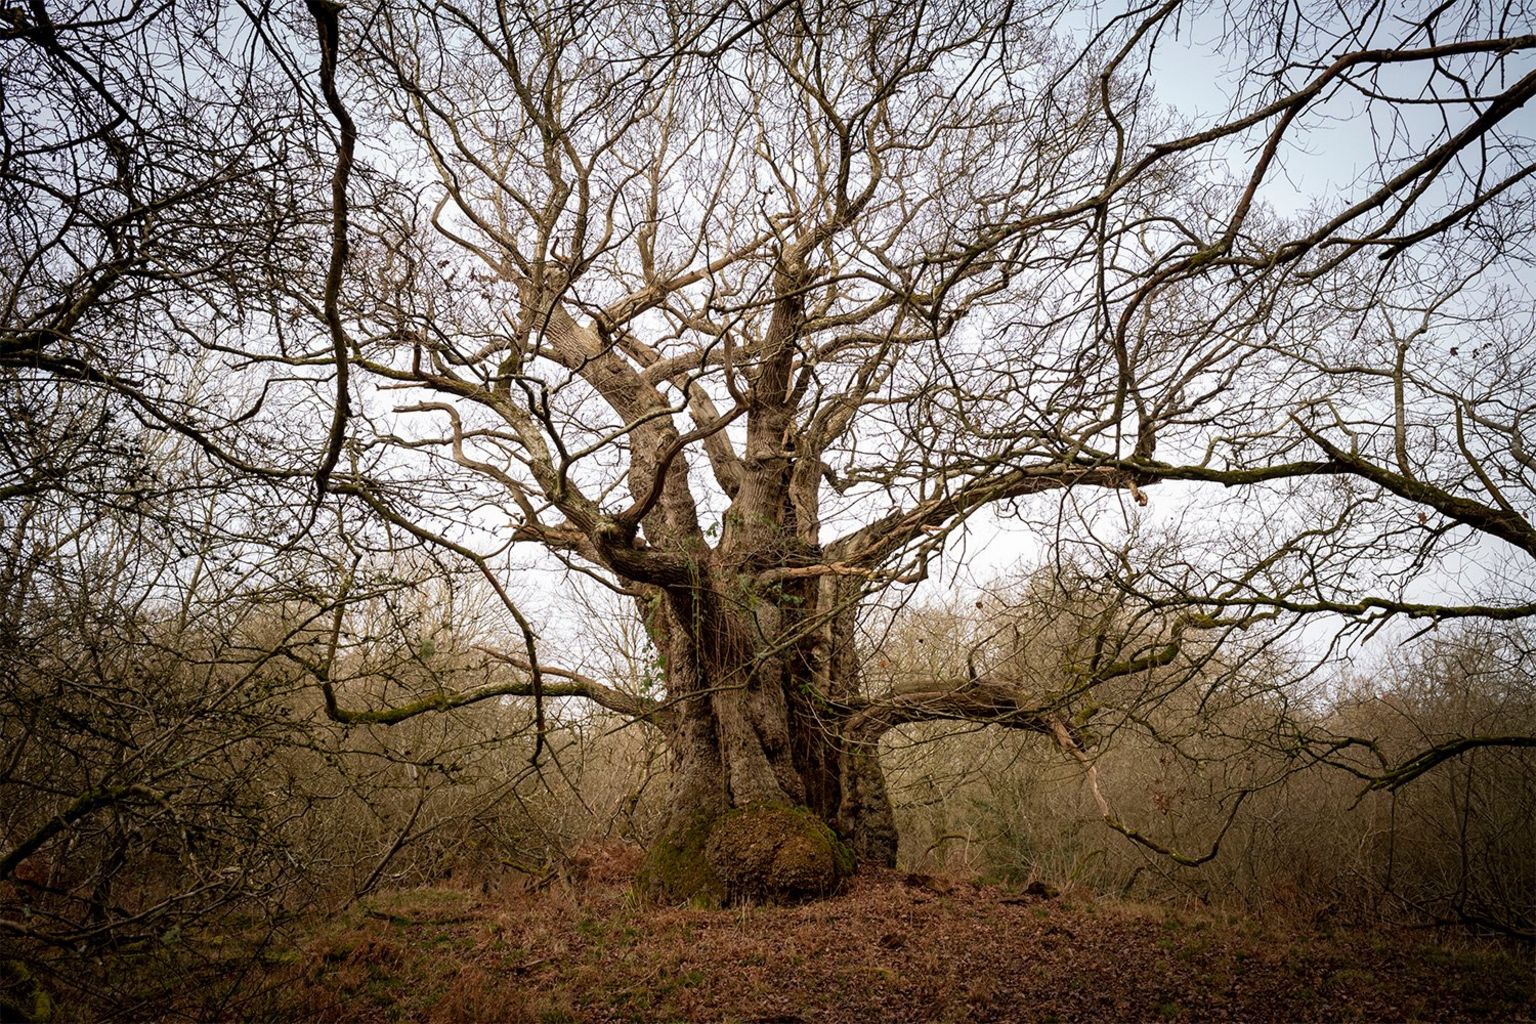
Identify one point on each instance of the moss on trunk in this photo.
(764, 853)
(677, 870)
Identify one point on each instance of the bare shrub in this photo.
(1309, 838)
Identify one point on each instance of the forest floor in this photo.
(892, 948)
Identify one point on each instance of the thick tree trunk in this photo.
(865, 813)
(862, 805)
(762, 661)
(755, 729)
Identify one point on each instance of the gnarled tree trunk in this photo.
(761, 697)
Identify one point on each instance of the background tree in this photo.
(159, 761)
(149, 204)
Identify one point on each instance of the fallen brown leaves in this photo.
(893, 948)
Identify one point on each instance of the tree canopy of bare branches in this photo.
(747, 310)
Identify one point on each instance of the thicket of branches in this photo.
(347, 355)
(1212, 768)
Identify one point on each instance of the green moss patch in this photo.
(773, 854)
(22, 996)
(677, 870)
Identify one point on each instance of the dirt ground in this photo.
(891, 948)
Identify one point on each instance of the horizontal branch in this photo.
(970, 702)
(1427, 760)
(1382, 606)
(599, 693)
(575, 685)
(873, 544)
(1505, 525)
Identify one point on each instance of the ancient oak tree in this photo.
(745, 309)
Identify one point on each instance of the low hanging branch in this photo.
(82, 807)
(573, 684)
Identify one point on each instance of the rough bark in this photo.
(762, 689)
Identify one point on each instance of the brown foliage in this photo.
(891, 948)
